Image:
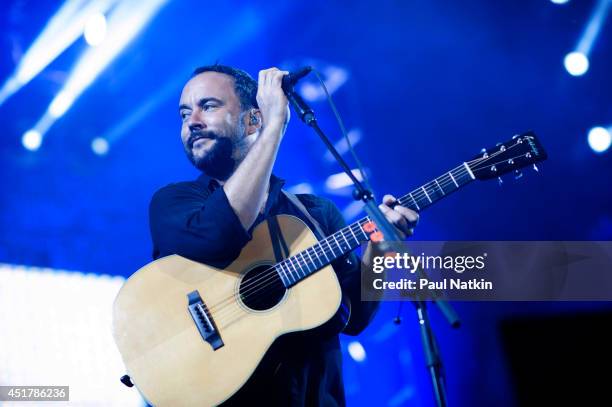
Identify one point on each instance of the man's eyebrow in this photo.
(201, 102)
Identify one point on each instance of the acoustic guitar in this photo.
(192, 335)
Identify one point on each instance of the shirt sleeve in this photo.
(348, 269)
(184, 220)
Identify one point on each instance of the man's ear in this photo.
(254, 121)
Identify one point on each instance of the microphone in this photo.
(303, 111)
(292, 78)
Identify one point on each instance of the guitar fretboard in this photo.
(299, 266)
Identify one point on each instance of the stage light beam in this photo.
(599, 139)
(60, 104)
(577, 62)
(57, 35)
(124, 23)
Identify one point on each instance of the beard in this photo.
(218, 161)
(225, 153)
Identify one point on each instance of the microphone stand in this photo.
(432, 355)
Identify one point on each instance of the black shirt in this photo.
(195, 220)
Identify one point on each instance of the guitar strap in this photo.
(295, 201)
(279, 246)
(281, 251)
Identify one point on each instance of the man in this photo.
(232, 128)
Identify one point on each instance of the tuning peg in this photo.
(535, 168)
(500, 181)
(515, 136)
(518, 174)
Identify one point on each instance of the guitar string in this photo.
(460, 171)
(240, 313)
(420, 193)
(223, 319)
(272, 278)
(318, 250)
(416, 195)
(264, 282)
(268, 276)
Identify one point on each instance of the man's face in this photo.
(213, 128)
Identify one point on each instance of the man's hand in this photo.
(402, 218)
(271, 98)
(246, 188)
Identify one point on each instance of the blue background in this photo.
(429, 84)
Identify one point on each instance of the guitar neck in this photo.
(299, 266)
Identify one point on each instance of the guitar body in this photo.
(167, 357)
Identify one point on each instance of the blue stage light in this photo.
(31, 140)
(60, 104)
(342, 146)
(95, 29)
(100, 146)
(58, 34)
(341, 180)
(357, 351)
(302, 188)
(576, 63)
(599, 139)
(333, 77)
(124, 23)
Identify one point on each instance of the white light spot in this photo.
(356, 351)
(303, 188)
(95, 29)
(559, 1)
(341, 180)
(100, 146)
(576, 63)
(31, 139)
(599, 139)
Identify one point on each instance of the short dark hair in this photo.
(244, 84)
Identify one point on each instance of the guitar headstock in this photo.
(520, 151)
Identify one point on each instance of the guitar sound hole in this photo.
(261, 288)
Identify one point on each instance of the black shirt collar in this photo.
(211, 184)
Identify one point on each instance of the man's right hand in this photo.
(247, 188)
(271, 99)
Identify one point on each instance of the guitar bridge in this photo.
(203, 320)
